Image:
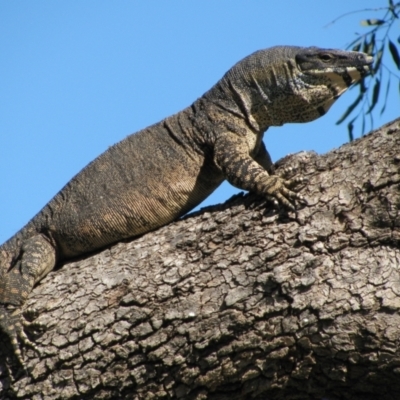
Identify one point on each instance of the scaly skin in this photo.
(160, 173)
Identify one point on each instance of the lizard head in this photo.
(328, 73)
(284, 84)
(294, 84)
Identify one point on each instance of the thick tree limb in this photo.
(238, 301)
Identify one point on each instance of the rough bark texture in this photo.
(239, 301)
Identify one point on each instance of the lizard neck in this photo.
(272, 95)
(256, 98)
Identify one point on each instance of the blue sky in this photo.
(78, 76)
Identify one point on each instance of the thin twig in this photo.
(354, 12)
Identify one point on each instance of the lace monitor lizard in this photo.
(160, 173)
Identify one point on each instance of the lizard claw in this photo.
(278, 189)
(30, 325)
(286, 172)
(295, 181)
(12, 324)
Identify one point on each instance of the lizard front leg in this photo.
(37, 258)
(232, 156)
(264, 159)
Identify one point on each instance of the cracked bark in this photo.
(237, 301)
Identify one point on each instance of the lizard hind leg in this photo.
(38, 258)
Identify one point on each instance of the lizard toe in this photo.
(286, 172)
(12, 324)
(283, 200)
(31, 324)
(295, 181)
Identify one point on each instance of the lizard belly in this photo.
(129, 211)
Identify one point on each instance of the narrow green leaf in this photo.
(350, 109)
(375, 95)
(365, 45)
(373, 21)
(350, 127)
(363, 125)
(378, 59)
(395, 54)
(363, 88)
(358, 46)
(392, 8)
(353, 42)
(371, 45)
(386, 96)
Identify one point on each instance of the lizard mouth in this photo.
(367, 67)
(341, 78)
(355, 73)
(369, 60)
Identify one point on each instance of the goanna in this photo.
(160, 173)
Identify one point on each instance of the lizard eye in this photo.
(325, 57)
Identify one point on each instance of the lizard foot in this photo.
(286, 172)
(278, 191)
(30, 323)
(12, 324)
(290, 181)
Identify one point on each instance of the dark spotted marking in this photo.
(347, 78)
